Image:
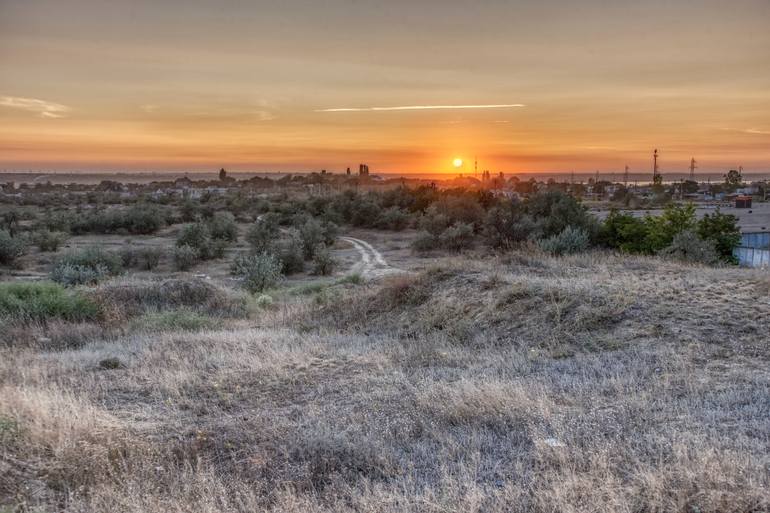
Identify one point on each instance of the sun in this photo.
(457, 162)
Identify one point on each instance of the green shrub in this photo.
(651, 234)
(291, 254)
(330, 232)
(353, 279)
(139, 220)
(58, 221)
(195, 235)
(111, 363)
(264, 301)
(93, 256)
(258, 271)
(662, 229)
(145, 258)
(144, 219)
(323, 262)
(222, 226)
(689, 247)
(149, 258)
(128, 255)
(457, 237)
(189, 210)
(459, 208)
(624, 232)
(506, 226)
(10, 222)
(393, 218)
(41, 301)
(434, 222)
(722, 230)
(86, 266)
(185, 257)
(312, 235)
(198, 236)
(570, 240)
(262, 234)
(425, 241)
(553, 211)
(47, 240)
(11, 248)
(70, 275)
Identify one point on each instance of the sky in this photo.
(404, 86)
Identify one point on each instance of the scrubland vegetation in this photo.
(517, 356)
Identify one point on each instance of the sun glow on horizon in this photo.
(457, 162)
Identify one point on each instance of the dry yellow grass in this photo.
(589, 383)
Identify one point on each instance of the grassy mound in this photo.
(130, 298)
(482, 307)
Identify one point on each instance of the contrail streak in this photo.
(422, 107)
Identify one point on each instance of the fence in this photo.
(754, 250)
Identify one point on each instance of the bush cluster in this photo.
(137, 220)
(145, 258)
(41, 301)
(11, 248)
(185, 257)
(208, 240)
(49, 241)
(570, 240)
(658, 234)
(86, 267)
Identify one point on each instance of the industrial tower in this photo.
(625, 176)
(693, 167)
(655, 166)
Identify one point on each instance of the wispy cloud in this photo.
(422, 107)
(44, 108)
(263, 115)
(756, 131)
(753, 131)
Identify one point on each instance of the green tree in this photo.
(262, 234)
(689, 187)
(733, 179)
(10, 222)
(258, 271)
(624, 232)
(723, 230)
(662, 229)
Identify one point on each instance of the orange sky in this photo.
(197, 85)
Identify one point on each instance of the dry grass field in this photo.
(519, 383)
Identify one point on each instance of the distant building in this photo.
(363, 170)
(743, 202)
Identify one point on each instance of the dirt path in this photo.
(372, 264)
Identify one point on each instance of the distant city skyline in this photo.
(545, 86)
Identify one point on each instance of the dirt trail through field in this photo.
(372, 264)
